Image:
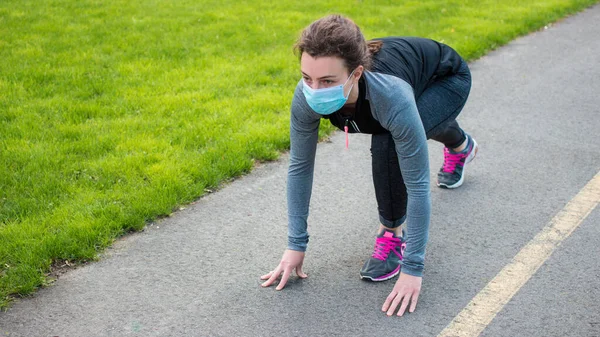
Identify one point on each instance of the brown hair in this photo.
(335, 35)
(374, 46)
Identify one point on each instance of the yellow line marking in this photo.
(482, 309)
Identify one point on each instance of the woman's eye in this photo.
(328, 81)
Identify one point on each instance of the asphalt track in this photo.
(535, 111)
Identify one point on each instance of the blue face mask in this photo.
(327, 100)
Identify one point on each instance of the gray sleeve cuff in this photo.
(298, 244)
(413, 271)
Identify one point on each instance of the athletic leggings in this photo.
(439, 105)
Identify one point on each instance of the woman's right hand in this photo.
(291, 260)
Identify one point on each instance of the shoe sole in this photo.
(462, 177)
(382, 278)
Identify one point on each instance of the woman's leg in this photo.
(442, 101)
(439, 105)
(452, 136)
(390, 190)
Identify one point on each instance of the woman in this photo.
(402, 91)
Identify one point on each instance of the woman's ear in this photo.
(358, 73)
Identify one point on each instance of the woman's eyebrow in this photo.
(320, 78)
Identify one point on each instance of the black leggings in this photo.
(438, 107)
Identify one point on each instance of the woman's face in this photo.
(326, 71)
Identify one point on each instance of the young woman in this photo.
(402, 90)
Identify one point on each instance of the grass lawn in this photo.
(115, 112)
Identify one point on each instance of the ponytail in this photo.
(374, 46)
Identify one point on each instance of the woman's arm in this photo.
(398, 113)
(304, 133)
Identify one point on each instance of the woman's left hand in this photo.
(405, 291)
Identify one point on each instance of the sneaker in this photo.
(452, 174)
(386, 259)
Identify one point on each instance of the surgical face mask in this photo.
(327, 100)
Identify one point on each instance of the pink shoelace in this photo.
(384, 245)
(451, 160)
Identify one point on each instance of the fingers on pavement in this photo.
(300, 273)
(404, 305)
(273, 277)
(388, 301)
(394, 305)
(284, 278)
(413, 302)
(266, 276)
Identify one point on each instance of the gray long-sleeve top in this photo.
(392, 103)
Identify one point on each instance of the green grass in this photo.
(113, 113)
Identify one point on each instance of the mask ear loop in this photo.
(346, 125)
(348, 79)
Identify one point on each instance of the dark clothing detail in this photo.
(390, 190)
(452, 136)
(416, 60)
(438, 107)
(450, 81)
(358, 118)
(443, 100)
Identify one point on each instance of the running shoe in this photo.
(452, 174)
(386, 260)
